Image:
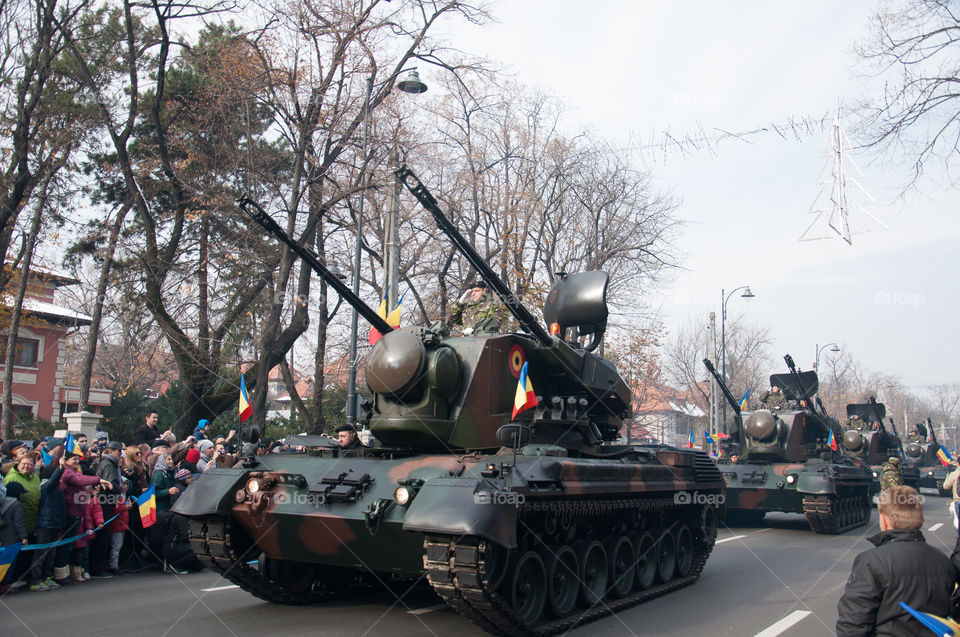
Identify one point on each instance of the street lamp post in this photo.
(816, 360)
(724, 297)
(411, 84)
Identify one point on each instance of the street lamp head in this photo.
(747, 294)
(834, 349)
(412, 83)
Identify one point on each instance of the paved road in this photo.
(776, 579)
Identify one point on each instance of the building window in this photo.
(26, 352)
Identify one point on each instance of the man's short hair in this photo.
(903, 506)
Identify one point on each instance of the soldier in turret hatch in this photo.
(854, 423)
(478, 310)
(773, 399)
(347, 437)
(891, 473)
(919, 433)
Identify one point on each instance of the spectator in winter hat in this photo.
(200, 432)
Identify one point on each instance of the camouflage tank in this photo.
(785, 463)
(924, 454)
(873, 444)
(525, 525)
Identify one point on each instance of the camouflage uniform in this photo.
(891, 474)
(853, 424)
(773, 400)
(484, 315)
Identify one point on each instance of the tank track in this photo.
(832, 514)
(210, 539)
(456, 570)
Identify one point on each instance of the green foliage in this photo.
(33, 429)
(124, 415)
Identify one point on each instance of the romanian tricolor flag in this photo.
(832, 442)
(47, 459)
(70, 445)
(743, 400)
(393, 318)
(148, 506)
(525, 398)
(943, 626)
(944, 456)
(7, 555)
(708, 438)
(246, 409)
(692, 440)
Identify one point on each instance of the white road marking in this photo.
(935, 526)
(732, 537)
(783, 624)
(219, 588)
(427, 609)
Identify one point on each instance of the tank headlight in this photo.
(791, 479)
(403, 495)
(876, 475)
(253, 485)
(929, 473)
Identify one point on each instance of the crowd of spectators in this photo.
(48, 494)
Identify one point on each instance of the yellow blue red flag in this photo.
(246, 409)
(525, 398)
(708, 438)
(7, 555)
(147, 504)
(71, 445)
(743, 401)
(832, 442)
(944, 456)
(943, 626)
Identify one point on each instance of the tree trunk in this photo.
(86, 371)
(16, 312)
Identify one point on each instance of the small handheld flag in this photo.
(832, 441)
(246, 409)
(943, 626)
(375, 334)
(708, 438)
(692, 440)
(944, 456)
(7, 555)
(743, 401)
(71, 445)
(525, 398)
(147, 503)
(47, 458)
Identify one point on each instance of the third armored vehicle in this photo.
(933, 471)
(785, 462)
(875, 445)
(526, 523)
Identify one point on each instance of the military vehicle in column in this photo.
(785, 462)
(932, 471)
(872, 443)
(526, 524)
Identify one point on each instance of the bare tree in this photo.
(919, 111)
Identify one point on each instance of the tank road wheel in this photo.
(684, 550)
(495, 565)
(562, 582)
(528, 589)
(623, 562)
(666, 556)
(646, 570)
(593, 573)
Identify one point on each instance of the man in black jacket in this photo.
(148, 431)
(108, 470)
(902, 568)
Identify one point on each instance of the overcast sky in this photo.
(635, 70)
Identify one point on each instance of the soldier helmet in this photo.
(893, 460)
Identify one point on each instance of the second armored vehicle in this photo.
(873, 444)
(785, 463)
